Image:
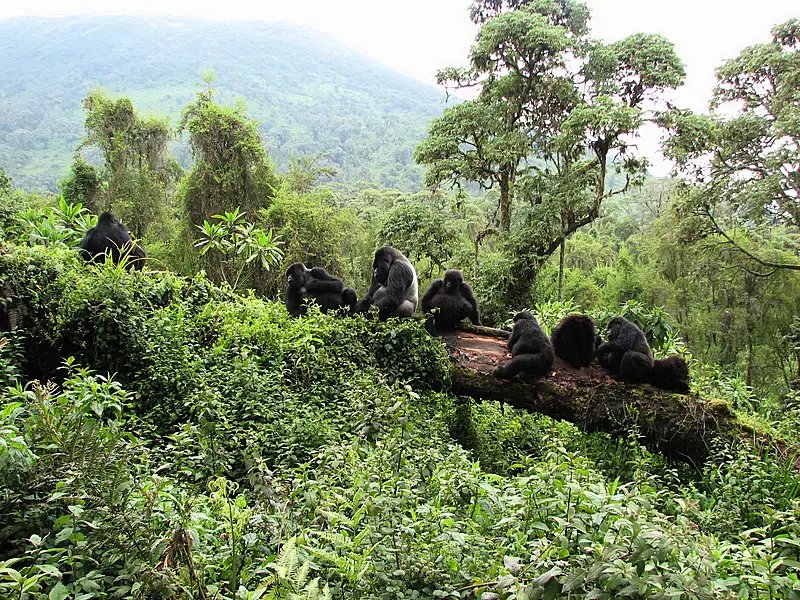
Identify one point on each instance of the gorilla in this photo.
(671, 373)
(319, 285)
(110, 236)
(574, 340)
(531, 350)
(394, 288)
(626, 352)
(454, 300)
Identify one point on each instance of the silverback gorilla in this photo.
(319, 285)
(394, 288)
(453, 298)
(531, 350)
(626, 353)
(110, 236)
(574, 340)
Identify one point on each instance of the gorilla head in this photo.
(453, 280)
(296, 276)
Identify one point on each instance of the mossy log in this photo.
(676, 425)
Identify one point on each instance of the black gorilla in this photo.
(574, 340)
(110, 236)
(531, 350)
(394, 288)
(671, 373)
(626, 352)
(319, 285)
(454, 300)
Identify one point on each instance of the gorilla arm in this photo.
(394, 291)
(475, 315)
(435, 288)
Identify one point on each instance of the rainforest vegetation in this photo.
(173, 432)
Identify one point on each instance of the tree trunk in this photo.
(561, 272)
(677, 426)
(505, 201)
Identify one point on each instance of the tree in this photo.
(741, 170)
(241, 247)
(554, 113)
(231, 167)
(420, 232)
(517, 62)
(134, 151)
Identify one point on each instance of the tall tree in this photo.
(555, 111)
(742, 160)
(231, 167)
(134, 150)
(231, 172)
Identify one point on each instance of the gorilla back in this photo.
(531, 350)
(574, 340)
(453, 298)
(394, 289)
(111, 237)
(671, 373)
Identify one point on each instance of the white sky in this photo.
(417, 37)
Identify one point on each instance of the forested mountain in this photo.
(310, 93)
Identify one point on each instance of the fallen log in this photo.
(676, 425)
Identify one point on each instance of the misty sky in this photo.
(418, 37)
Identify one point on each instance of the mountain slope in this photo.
(310, 93)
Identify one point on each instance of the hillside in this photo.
(310, 93)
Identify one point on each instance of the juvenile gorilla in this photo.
(671, 373)
(626, 353)
(574, 340)
(112, 237)
(319, 285)
(453, 298)
(531, 350)
(394, 288)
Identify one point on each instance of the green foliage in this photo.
(239, 245)
(63, 226)
(317, 234)
(135, 176)
(420, 232)
(740, 167)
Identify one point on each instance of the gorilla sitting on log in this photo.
(626, 353)
(671, 373)
(531, 350)
(574, 340)
(394, 288)
(111, 237)
(319, 285)
(453, 298)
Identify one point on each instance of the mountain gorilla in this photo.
(394, 288)
(319, 285)
(626, 352)
(110, 236)
(671, 373)
(454, 300)
(531, 350)
(574, 340)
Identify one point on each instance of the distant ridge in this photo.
(310, 93)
